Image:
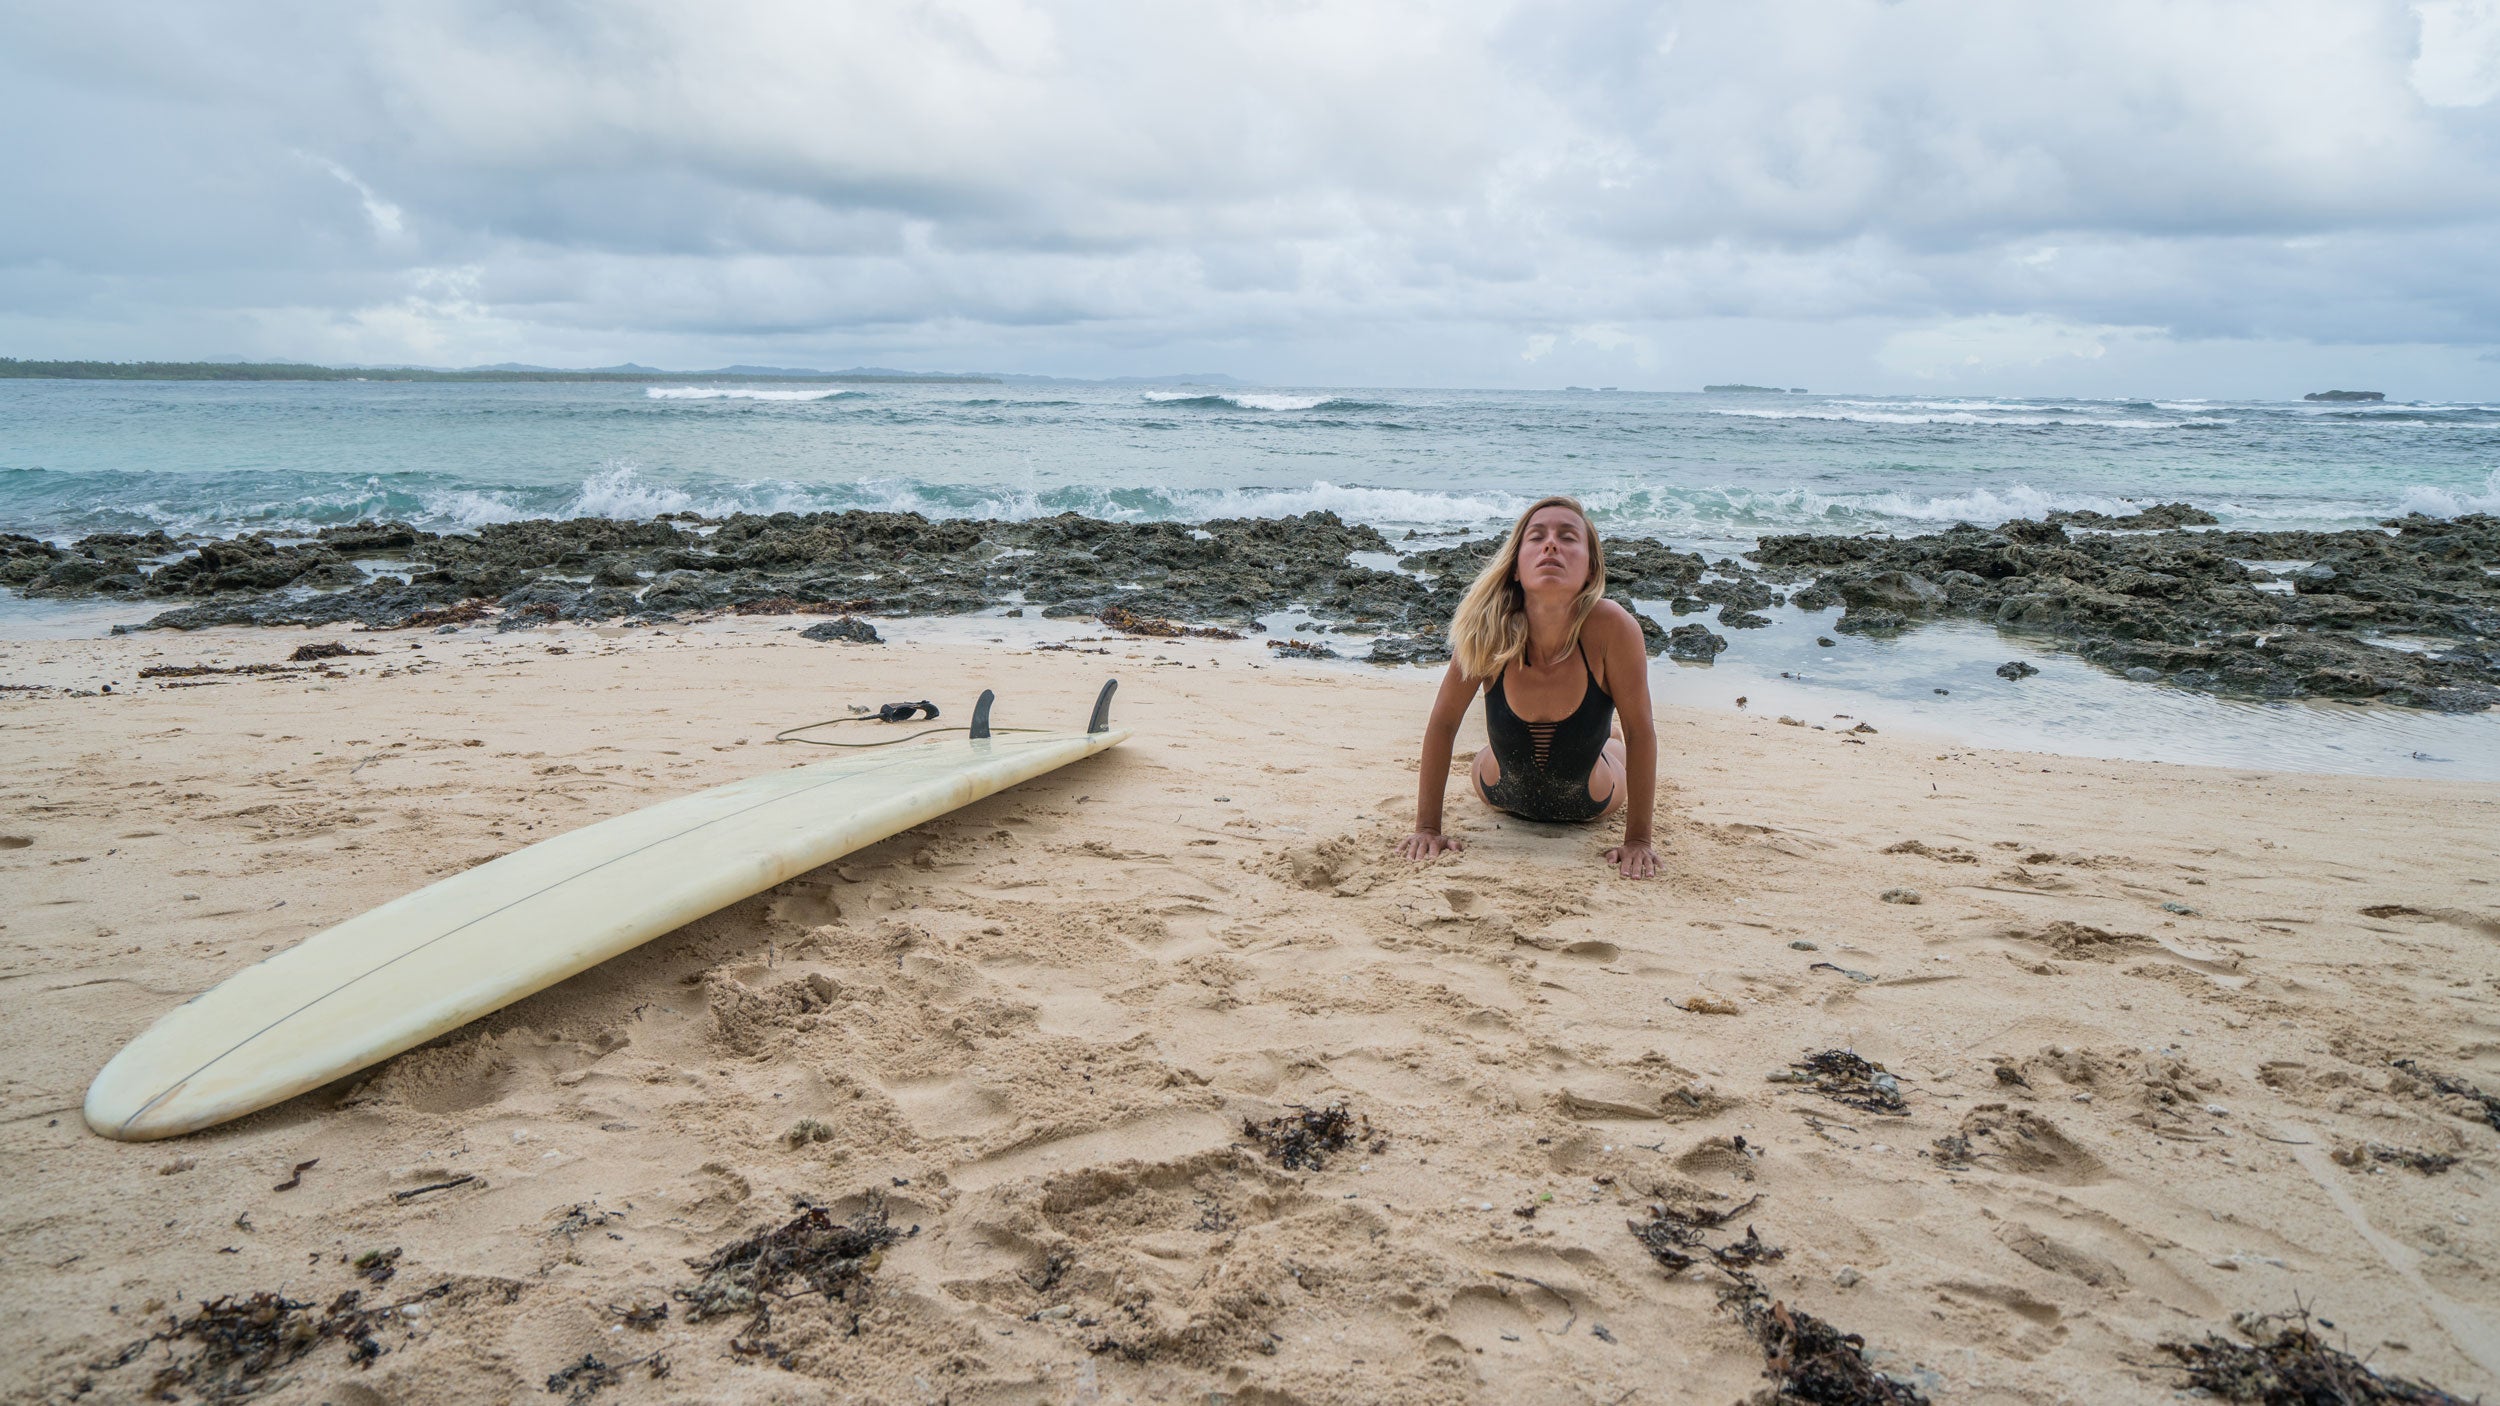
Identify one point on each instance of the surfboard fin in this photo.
(1102, 707)
(981, 714)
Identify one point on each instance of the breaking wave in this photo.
(2447, 502)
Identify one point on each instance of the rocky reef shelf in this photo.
(2406, 614)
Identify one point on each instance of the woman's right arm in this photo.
(1449, 708)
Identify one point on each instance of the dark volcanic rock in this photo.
(1736, 619)
(1410, 649)
(849, 629)
(1868, 620)
(1694, 644)
(2183, 606)
(2016, 669)
(2134, 593)
(2159, 515)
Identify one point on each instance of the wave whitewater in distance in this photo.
(1713, 471)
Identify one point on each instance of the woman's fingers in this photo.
(1421, 846)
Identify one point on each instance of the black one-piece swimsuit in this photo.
(1546, 766)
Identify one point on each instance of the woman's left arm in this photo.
(1627, 678)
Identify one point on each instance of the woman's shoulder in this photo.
(1610, 623)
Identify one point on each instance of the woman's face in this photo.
(1554, 552)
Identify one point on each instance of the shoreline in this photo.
(1206, 924)
(1938, 685)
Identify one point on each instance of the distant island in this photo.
(1740, 389)
(2345, 395)
(13, 369)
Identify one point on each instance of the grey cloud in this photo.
(1084, 185)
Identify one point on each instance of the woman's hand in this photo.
(1424, 844)
(1634, 859)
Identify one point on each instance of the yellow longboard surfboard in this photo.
(418, 966)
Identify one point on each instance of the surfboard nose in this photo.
(123, 1108)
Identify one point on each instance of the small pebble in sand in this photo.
(1900, 896)
(1804, 946)
(1847, 1276)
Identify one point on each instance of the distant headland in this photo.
(14, 369)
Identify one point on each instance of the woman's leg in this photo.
(1606, 778)
(1486, 774)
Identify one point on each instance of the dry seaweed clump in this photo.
(584, 1379)
(1129, 622)
(1845, 1077)
(235, 1345)
(1808, 1361)
(811, 1252)
(2360, 1155)
(1673, 1234)
(2285, 1363)
(1307, 1137)
(2454, 1087)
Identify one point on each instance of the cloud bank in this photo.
(1446, 193)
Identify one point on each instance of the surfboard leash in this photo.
(904, 712)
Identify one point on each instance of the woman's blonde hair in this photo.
(1491, 626)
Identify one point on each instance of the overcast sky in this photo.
(2104, 198)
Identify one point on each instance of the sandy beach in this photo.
(2144, 1020)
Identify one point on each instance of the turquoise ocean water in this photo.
(1711, 472)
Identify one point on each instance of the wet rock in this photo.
(2142, 596)
(1410, 649)
(1694, 644)
(1898, 592)
(1736, 619)
(2160, 515)
(2183, 603)
(1869, 621)
(1815, 597)
(2016, 669)
(848, 629)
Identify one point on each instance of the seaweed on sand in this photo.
(1672, 1235)
(1810, 1362)
(2456, 1088)
(2285, 1363)
(2362, 1154)
(810, 1253)
(240, 1343)
(1308, 1136)
(1129, 622)
(1845, 1077)
(584, 1379)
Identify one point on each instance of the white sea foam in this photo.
(1997, 416)
(2448, 502)
(618, 491)
(467, 509)
(1245, 400)
(736, 393)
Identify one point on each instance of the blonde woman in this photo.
(1556, 661)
